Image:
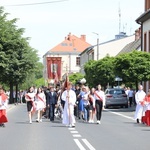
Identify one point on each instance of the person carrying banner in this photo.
(99, 103)
(69, 97)
(3, 106)
(30, 97)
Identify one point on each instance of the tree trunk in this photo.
(16, 98)
(11, 93)
(136, 83)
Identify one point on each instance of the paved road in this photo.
(118, 131)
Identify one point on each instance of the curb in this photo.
(10, 106)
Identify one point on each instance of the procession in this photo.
(71, 103)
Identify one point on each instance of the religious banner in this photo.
(54, 68)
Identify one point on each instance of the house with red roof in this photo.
(64, 57)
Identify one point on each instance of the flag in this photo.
(55, 77)
(66, 82)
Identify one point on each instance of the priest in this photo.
(139, 98)
(69, 97)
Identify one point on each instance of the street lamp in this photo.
(118, 79)
(97, 44)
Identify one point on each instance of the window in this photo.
(64, 44)
(74, 49)
(145, 42)
(78, 61)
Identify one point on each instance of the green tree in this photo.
(100, 72)
(105, 71)
(74, 78)
(90, 75)
(133, 66)
(18, 59)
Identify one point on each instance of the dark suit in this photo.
(52, 101)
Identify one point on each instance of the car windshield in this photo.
(115, 91)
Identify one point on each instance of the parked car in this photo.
(116, 97)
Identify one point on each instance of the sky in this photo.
(48, 24)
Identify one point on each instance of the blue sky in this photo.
(48, 24)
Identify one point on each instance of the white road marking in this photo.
(71, 128)
(76, 135)
(88, 144)
(74, 131)
(79, 144)
(131, 118)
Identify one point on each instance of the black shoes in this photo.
(2, 125)
(137, 120)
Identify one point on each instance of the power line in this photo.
(37, 3)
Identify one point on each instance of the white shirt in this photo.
(31, 95)
(139, 96)
(130, 93)
(72, 96)
(101, 94)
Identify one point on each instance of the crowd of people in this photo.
(79, 102)
(74, 102)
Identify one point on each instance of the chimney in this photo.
(147, 5)
(69, 37)
(137, 34)
(83, 38)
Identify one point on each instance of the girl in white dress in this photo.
(40, 101)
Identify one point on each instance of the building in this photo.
(64, 57)
(135, 45)
(111, 48)
(144, 21)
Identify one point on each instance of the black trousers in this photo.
(130, 101)
(99, 106)
(51, 111)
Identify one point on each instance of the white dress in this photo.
(68, 113)
(139, 96)
(40, 101)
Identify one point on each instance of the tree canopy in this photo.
(133, 66)
(18, 60)
(100, 72)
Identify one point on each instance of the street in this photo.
(117, 131)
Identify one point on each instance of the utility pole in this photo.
(119, 12)
(97, 44)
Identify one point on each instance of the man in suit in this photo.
(52, 101)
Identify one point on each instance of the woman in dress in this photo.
(40, 100)
(30, 98)
(91, 105)
(81, 102)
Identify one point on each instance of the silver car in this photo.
(116, 97)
